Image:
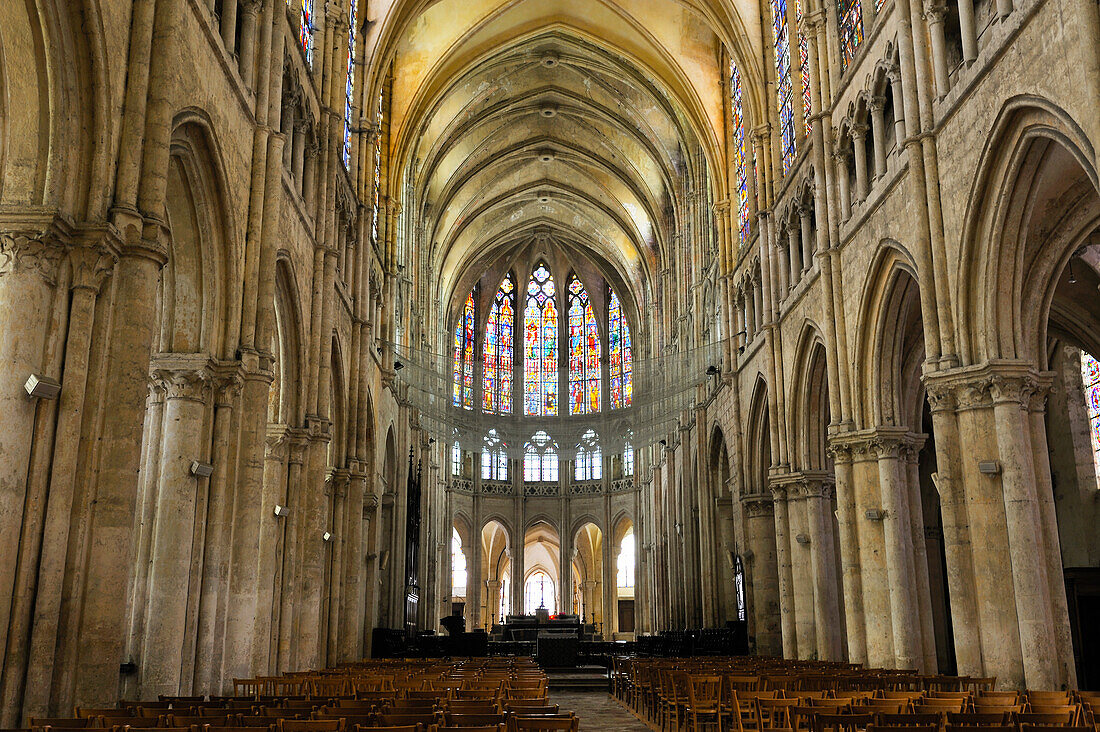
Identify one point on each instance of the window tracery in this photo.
(621, 353)
(584, 352)
(540, 349)
(497, 380)
(464, 356)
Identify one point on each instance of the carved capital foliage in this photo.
(757, 505)
(276, 445)
(30, 252)
(935, 12)
(91, 266)
(183, 382)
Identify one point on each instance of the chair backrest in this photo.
(884, 706)
(993, 708)
(998, 697)
(984, 728)
(135, 722)
(459, 706)
(392, 728)
(979, 719)
(773, 713)
(530, 709)
(705, 693)
(907, 720)
(935, 727)
(943, 706)
(87, 712)
(472, 720)
(398, 719)
(1052, 728)
(1049, 697)
(1065, 718)
(62, 722)
(558, 724)
(246, 720)
(187, 720)
(842, 722)
(309, 725)
(482, 728)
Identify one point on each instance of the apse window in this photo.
(458, 566)
(1090, 380)
(540, 459)
(538, 592)
(626, 561)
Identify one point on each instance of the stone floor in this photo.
(598, 710)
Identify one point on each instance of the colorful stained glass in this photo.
(349, 85)
(621, 353)
(540, 459)
(494, 459)
(584, 352)
(588, 464)
(376, 187)
(740, 154)
(496, 393)
(804, 64)
(540, 346)
(464, 357)
(305, 26)
(783, 85)
(850, 19)
(1090, 380)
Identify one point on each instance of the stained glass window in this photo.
(804, 64)
(496, 395)
(376, 186)
(458, 565)
(540, 346)
(625, 563)
(494, 459)
(540, 459)
(349, 84)
(538, 592)
(589, 461)
(464, 357)
(621, 353)
(783, 86)
(740, 154)
(850, 19)
(628, 460)
(305, 26)
(739, 586)
(584, 352)
(1090, 379)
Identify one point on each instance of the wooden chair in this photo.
(773, 713)
(994, 708)
(391, 728)
(63, 722)
(397, 720)
(979, 719)
(461, 706)
(989, 728)
(935, 727)
(451, 719)
(553, 724)
(309, 725)
(705, 701)
(1061, 717)
(133, 722)
(940, 706)
(186, 720)
(842, 722)
(1052, 728)
(908, 720)
(1046, 698)
(486, 728)
(885, 706)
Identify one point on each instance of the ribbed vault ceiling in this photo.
(517, 119)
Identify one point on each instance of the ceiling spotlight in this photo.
(546, 156)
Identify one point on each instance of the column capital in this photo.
(757, 505)
(182, 376)
(33, 243)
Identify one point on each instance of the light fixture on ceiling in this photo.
(544, 197)
(549, 110)
(549, 60)
(546, 156)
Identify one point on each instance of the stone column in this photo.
(874, 572)
(878, 133)
(823, 561)
(807, 238)
(786, 581)
(763, 573)
(893, 73)
(841, 157)
(90, 265)
(29, 262)
(786, 267)
(935, 13)
(851, 569)
(246, 60)
(796, 264)
(859, 134)
(750, 314)
(1011, 392)
(802, 570)
(372, 519)
(186, 383)
(898, 537)
(229, 26)
(956, 529)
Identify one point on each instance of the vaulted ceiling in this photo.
(590, 122)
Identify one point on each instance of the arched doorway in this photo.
(588, 575)
(626, 561)
(541, 568)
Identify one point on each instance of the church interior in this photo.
(549, 364)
